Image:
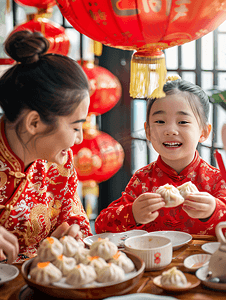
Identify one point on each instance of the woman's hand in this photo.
(66, 229)
(199, 205)
(8, 245)
(145, 207)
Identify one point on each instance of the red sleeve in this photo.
(118, 216)
(72, 210)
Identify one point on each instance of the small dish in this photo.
(178, 238)
(117, 238)
(211, 247)
(202, 273)
(7, 273)
(192, 282)
(196, 261)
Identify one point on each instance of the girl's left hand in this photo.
(66, 229)
(199, 205)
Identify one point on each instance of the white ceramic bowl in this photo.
(196, 261)
(155, 251)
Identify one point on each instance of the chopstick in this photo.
(143, 285)
(220, 163)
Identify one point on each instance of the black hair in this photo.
(51, 84)
(196, 97)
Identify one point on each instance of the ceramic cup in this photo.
(156, 251)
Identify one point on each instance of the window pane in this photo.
(171, 58)
(139, 148)
(139, 154)
(221, 119)
(207, 52)
(207, 80)
(222, 81)
(205, 154)
(188, 56)
(221, 54)
(222, 27)
(189, 76)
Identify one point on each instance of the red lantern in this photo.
(105, 88)
(54, 33)
(98, 157)
(147, 26)
(37, 3)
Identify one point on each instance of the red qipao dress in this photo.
(37, 200)
(118, 215)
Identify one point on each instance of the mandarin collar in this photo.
(184, 173)
(16, 163)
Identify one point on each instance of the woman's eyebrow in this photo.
(78, 121)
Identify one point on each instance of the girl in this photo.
(175, 124)
(45, 99)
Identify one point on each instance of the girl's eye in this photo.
(76, 129)
(159, 122)
(183, 122)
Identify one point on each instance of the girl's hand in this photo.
(199, 205)
(145, 207)
(8, 245)
(66, 229)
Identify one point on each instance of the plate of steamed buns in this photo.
(65, 268)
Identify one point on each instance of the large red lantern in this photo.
(105, 88)
(54, 33)
(37, 3)
(98, 157)
(147, 26)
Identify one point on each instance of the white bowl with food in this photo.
(155, 251)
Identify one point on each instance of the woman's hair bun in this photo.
(26, 46)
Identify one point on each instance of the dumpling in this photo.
(123, 261)
(171, 195)
(70, 245)
(81, 275)
(186, 188)
(49, 249)
(81, 255)
(64, 264)
(97, 262)
(173, 277)
(110, 272)
(103, 248)
(45, 273)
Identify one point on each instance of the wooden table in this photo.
(13, 289)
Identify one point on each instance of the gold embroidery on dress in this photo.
(39, 219)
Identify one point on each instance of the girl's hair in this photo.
(51, 84)
(196, 97)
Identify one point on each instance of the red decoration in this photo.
(145, 26)
(105, 88)
(98, 157)
(54, 33)
(37, 3)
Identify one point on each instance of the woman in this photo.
(45, 100)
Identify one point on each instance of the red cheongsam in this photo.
(118, 215)
(37, 200)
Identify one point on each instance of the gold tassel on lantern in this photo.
(148, 74)
(97, 48)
